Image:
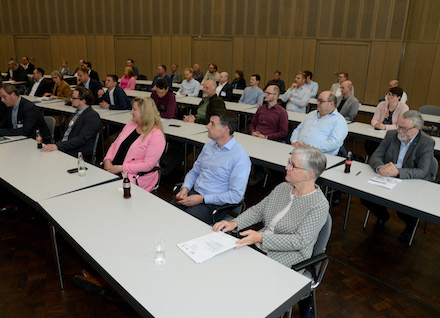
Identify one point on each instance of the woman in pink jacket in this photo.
(139, 146)
(388, 112)
(128, 81)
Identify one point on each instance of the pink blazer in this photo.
(381, 111)
(143, 155)
(128, 83)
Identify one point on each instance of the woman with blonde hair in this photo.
(128, 81)
(139, 146)
(61, 89)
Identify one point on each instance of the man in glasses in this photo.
(405, 153)
(324, 128)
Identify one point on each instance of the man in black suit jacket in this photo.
(115, 97)
(41, 85)
(405, 153)
(27, 66)
(94, 85)
(18, 73)
(22, 116)
(82, 129)
(92, 73)
(224, 89)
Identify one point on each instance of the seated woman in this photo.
(139, 146)
(239, 82)
(61, 89)
(386, 115)
(293, 214)
(189, 87)
(128, 81)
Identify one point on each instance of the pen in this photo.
(358, 173)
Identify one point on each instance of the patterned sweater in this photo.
(296, 233)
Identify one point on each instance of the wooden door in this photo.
(136, 48)
(37, 49)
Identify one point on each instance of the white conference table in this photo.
(117, 239)
(41, 175)
(370, 110)
(14, 82)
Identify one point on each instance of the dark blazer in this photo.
(419, 161)
(30, 69)
(226, 92)
(215, 103)
(29, 116)
(94, 75)
(20, 75)
(83, 134)
(120, 98)
(350, 108)
(94, 86)
(44, 87)
(239, 83)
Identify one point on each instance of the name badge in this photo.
(19, 125)
(222, 93)
(71, 123)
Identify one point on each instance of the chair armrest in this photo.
(177, 188)
(140, 174)
(227, 207)
(309, 262)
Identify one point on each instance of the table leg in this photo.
(53, 233)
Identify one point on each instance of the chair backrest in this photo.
(323, 237)
(51, 122)
(95, 145)
(430, 109)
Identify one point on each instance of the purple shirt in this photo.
(272, 122)
(166, 105)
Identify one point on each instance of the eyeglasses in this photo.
(322, 101)
(267, 93)
(404, 129)
(392, 95)
(290, 166)
(74, 98)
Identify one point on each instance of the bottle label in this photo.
(126, 185)
(39, 139)
(348, 162)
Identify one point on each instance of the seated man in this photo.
(130, 63)
(277, 81)
(165, 99)
(310, 84)
(405, 153)
(93, 85)
(211, 74)
(41, 85)
(347, 104)
(22, 117)
(175, 75)
(224, 89)
(81, 131)
(270, 120)
(395, 83)
(161, 73)
(198, 74)
(336, 87)
(93, 74)
(220, 174)
(80, 66)
(253, 95)
(323, 128)
(18, 73)
(27, 66)
(298, 95)
(114, 97)
(209, 103)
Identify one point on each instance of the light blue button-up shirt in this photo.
(220, 174)
(403, 150)
(326, 133)
(72, 123)
(87, 85)
(313, 88)
(191, 88)
(297, 99)
(252, 96)
(14, 114)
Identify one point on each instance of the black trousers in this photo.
(381, 212)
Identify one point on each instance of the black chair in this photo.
(156, 186)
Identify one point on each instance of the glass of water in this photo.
(159, 251)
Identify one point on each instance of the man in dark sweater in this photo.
(165, 99)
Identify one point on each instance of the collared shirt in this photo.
(252, 96)
(190, 88)
(219, 88)
(72, 123)
(272, 122)
(201, 111)
(403, 150)
(297, 99)
(313, 88)
(87, 85)
(35, 87)
(326, 133)
(220, 174)
(14, 114)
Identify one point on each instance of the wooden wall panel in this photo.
(103, 61)
(7, 50)
(433, 97)
(136, 48)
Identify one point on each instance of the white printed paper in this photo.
(385, 182)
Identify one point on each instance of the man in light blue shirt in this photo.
(323, 128)
(253, 95)
(311, 85)
(219, 175)
(298, 95)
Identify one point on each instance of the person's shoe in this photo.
(379, 227)
(405, 237)
(336, 198)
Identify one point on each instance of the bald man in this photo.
(224, 89)
(347, 104)
(209, 103)
(395, 83)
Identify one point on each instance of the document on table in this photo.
(205, 247)
(385, 182)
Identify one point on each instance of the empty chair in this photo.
(430, 110)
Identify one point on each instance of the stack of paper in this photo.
(207, 246)
(385, 182)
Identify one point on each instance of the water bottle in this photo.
(81, 165)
